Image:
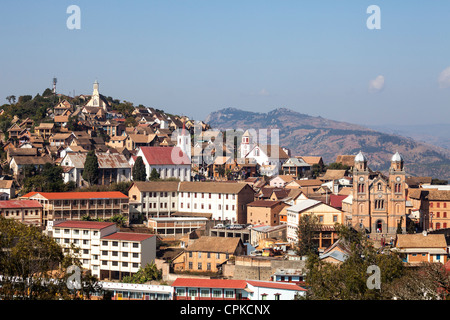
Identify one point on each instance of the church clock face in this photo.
(361, 179)
(398, 179)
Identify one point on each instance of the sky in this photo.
(193, 57)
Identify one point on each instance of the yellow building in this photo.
(327, 215)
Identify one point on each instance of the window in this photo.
(115, 243)
(229, 293)
(217, 293)
(180, 292)
(135, 245)
(208, 266)
(104, 243)
(190, 266)
(192, 292)
(204, 293)
(125, 264)
(125, 244)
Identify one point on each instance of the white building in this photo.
(223, 200)
(107, 253)
(169, 162)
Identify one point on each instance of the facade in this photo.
(207, 254)
(175, 227)
(169, 162)
(438, 208)
(265, 212)
(228, 289)
(107, 253)
(422, 247)
(379, 203)
(223, 200)
(113, 168)
(24, 211)
(76, 205)
(327, 215)
(154, 199)
(133, 291)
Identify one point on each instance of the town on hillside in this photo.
(156, 206)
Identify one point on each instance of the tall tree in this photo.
(308, 230)
(91, 172)
(139, 173)
(33, 266)
(349, 279)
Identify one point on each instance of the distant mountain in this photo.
(436, 134)
(309, 135)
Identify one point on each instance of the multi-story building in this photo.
(25, 211)
(206, 254)
(327, 218)
(379, 202)
(223, 200)
(218, 200)
(438, 208)
(265, 212)
(76, 205)
(154, 199)
(109, 254)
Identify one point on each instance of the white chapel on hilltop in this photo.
(97, 100)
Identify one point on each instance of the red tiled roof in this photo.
(336, 200)
(209, 283)
(20, 204)
(165, 155)
(275, 285)
(78, 195)
(84, 224)
(130, 236)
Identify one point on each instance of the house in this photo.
(45, 130)
(135, 140)
(61, 139)
(207, 254)
(17, 163)
(264, 212)
(346, 160)
(421, 247)
(117, 142)
(336, 253)
(281, 181)
(269, 157)
(106, 252)
(7, 189)
(24, 211)
(112, 168)
(231, 289)
(169, 162)
(313, 160)
(327, 218)
(296, 167)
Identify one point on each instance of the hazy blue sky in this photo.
(193, 57)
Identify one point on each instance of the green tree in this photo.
(348, 280)
(154, 175)
(91, 172)
(33, 266)
(148, 273)
(139, 172)
(308, 231)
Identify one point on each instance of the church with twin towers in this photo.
(379, 202)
